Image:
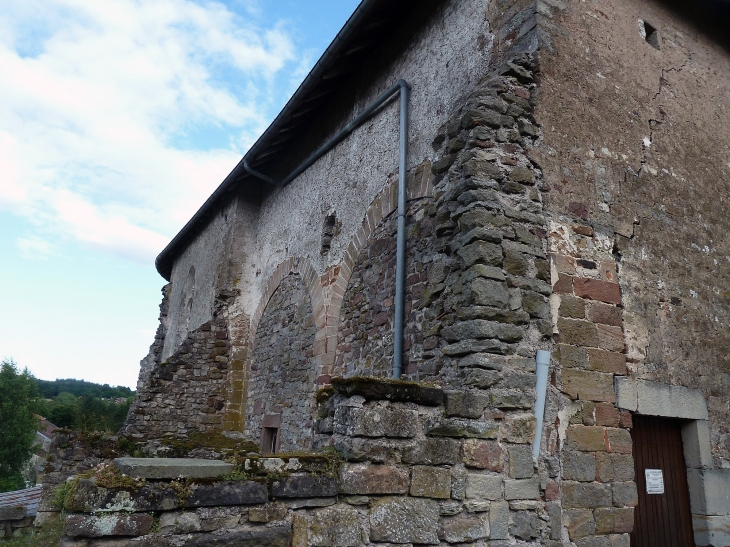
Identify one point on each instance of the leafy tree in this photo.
(18, 424)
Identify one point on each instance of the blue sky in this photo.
(117, 119)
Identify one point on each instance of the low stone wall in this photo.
(411, 464)
(14, 521)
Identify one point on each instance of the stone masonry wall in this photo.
(477, 254)
(414, 465)
(281, 379)
(365, 337)
(186, 392)
(595, 480)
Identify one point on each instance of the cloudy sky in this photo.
(117, 119)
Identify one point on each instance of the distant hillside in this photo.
(79, 388)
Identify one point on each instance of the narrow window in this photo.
(270, 437)
(330, 229)
(650, 34)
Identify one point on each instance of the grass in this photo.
(48, 535)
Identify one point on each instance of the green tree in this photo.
(18, 424)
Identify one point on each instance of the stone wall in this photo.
(282, 373)
(186, 392)
(413, 465)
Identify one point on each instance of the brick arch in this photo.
(303, 267)
(419, 184)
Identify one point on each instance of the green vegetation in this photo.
(80, 388)
(48, 535)
(18, 391)
(85, 413)
(72, 404)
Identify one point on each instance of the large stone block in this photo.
(614, 520)
(711, 530)
(521, 465)
(12, 513)
(460, 530)
(433, 451)
(363, 478)
(404, 520)
(696, 443)
(259, 536)
(484, 486)
(488, 292)
(385, 421)
(588, 385)
(577, 332)
(709, 491)
(607, 361)
(304, 486)
(625, 494)
(113, 524)
(466, 404)
(179, 522)
(572, 356)
(171, 468)
(522, 489)
(578, 466)
(518, 428)
(477, 329)
(579, 522)
(655, 399)
(512, 398)
(499, 514)
(614, 467)
(483, 454)
(88, 497)
(337, 526)
(596, 289)
(586, 438)
(524, 525)
(481, 252)
(430, 482)
(227, 493)
(464, 428)
(586, 495)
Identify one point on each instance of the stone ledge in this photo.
(170, 468)
(390, 390)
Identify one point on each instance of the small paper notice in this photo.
(654, 481)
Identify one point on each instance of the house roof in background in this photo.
(28, 498)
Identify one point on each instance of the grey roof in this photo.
(360, 37)
(28, 498)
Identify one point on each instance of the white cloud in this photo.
(34, 248)
(104, 109)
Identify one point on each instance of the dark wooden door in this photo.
(661, 520)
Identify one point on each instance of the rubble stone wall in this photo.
(281, 378)
(413, 465)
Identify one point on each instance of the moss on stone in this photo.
(389, 389)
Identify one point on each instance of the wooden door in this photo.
(661, 520)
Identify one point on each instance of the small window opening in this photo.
(330, 229)
(270, 437)
(269, 440)
(650, 34)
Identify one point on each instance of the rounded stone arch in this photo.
(282, 369)
(376, 234)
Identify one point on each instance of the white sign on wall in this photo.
(654, 481)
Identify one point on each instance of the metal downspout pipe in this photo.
(542, 366)
(400, 268)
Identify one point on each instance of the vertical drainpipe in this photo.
(400, 261)
(542, 362)
(401, 87)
